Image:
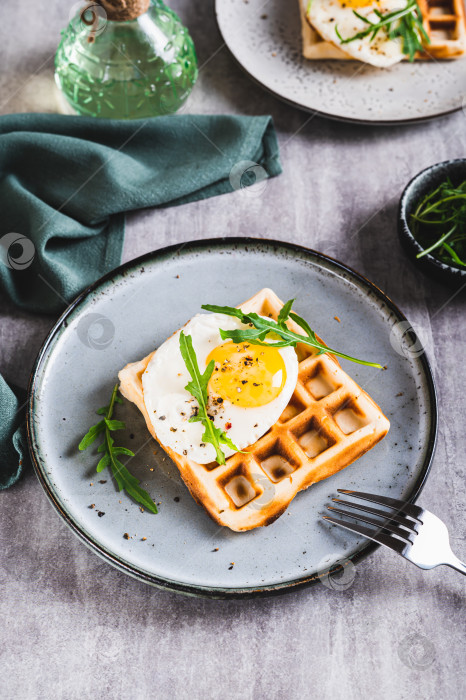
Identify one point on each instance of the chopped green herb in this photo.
(124, 479)
(197, 387)
(439, 224)
(405, 24)
(264, 326)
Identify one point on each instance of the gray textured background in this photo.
(73, 627)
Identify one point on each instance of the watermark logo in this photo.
(16, 251)
(90, 17)
(267, 495)
(408, 341)
(338, 577)
(95, 331)
(249, 177)
(416, 651)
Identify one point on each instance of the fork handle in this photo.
(455, 563)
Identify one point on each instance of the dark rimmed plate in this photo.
(265, 39)
(132, 310)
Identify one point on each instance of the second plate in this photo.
(265, 39)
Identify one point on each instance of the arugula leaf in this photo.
(285, 312)
(264, 326)
(122, 476)
(103, 462)
(91, 435)
(405, 24)
(439, 223)
(114, 424)
(197, 387)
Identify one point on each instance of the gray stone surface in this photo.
(73, 627)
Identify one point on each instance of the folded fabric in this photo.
(65, 184)
(13, 443)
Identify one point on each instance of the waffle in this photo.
(444, 22)
(328, 423)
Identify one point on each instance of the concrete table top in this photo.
(72, 626)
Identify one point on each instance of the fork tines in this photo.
(395, 528)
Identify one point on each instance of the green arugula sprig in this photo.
(197, 387)
(264, 326)
(439, 223)
(405, 24)
(124, 479)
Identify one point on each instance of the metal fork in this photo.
(417, 534)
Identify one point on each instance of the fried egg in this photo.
(327, 15)
(249, 389)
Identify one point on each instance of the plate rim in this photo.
(196, 589)
(327, 115)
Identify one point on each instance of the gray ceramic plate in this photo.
(265, 39)
(135, 308)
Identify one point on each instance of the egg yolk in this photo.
(246, 375)
(358, 3)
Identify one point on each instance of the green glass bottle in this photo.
(126, 59)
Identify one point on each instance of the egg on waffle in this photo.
(305, 420)
(327, 23)
(248, 391)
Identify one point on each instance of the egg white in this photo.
(170, 406)
(382, 52)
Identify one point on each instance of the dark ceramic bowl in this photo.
(426, 181)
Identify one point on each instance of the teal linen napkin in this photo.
(13, 442)
(65, 184)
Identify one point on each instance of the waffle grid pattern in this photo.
(444, 22)
(329, 422)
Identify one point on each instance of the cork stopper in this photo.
(124, 10)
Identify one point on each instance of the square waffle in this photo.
(444, 22)
(328, 423)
